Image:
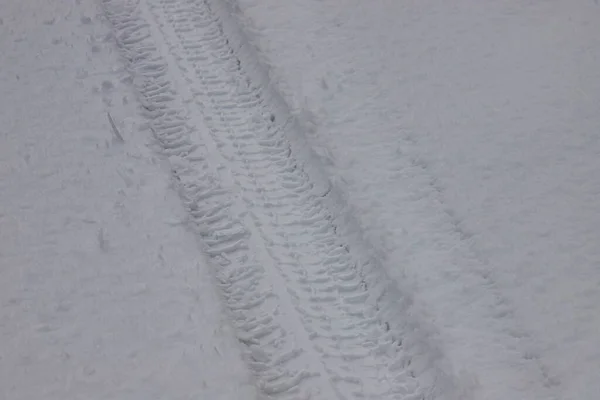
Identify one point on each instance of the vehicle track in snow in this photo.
(298, 301)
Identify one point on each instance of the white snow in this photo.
(466, 135)
(426, 226)
(103, 292)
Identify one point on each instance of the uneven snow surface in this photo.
(104, 294)
(299, 199)
(466, 136)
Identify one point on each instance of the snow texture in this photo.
(104, 293)
(242, 199)
(465, 135)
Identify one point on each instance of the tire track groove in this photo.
(280, 365)
(357, 349)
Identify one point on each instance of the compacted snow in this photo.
(243, 199)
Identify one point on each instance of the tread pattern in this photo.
(295, 293)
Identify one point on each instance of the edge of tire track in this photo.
(270, 352)
(394, 301)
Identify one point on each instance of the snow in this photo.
(104, 293)
(240, 199)
(311, 323)
(466, 136)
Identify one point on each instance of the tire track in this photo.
(279, 363)
(359, 352)
(295, 292)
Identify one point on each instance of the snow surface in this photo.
(466, 136)
(239, 199)
(104, 293)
